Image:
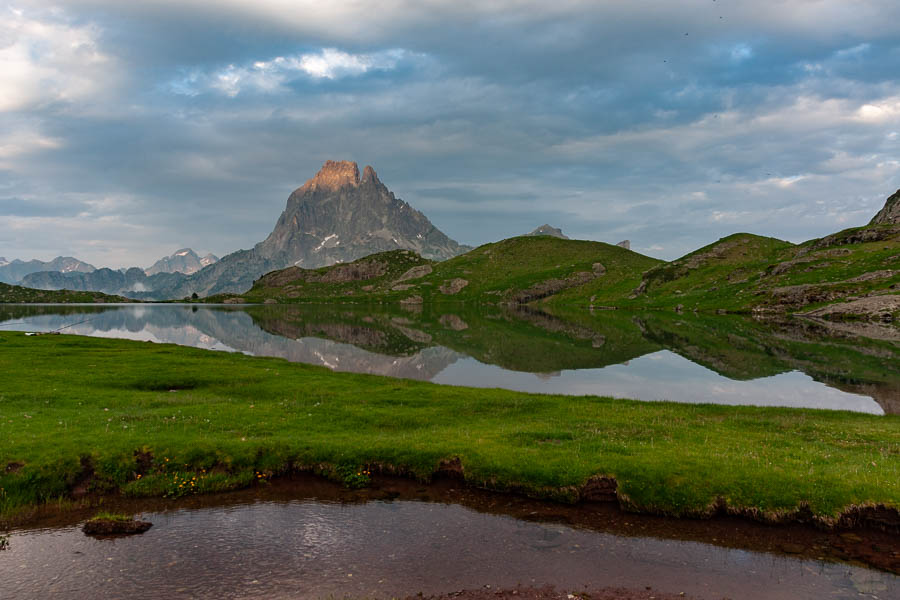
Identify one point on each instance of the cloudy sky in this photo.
(130, 129)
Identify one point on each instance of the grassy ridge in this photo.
(515, 270)
(207, 420)
(18, 294)
(744, 272)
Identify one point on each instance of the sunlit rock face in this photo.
(890, 214)
(338, 216)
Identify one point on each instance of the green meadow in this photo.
(142, 419)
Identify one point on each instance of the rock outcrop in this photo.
(890, 214)
(549, 230)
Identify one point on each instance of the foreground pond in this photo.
(725, 360)
(308, 539)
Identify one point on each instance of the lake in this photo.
(646, 356)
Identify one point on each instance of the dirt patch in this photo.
(82, 485)
(453, 286)
(105, 527)
(550, 593)
(14, 467)
(450, 468)
(599, 489)
(415, 273)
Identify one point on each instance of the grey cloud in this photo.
(605, 120)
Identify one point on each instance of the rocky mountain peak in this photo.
(369, 175)
(336, 174)
(549, 230)
(890, 214)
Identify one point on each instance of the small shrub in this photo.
(354, 477)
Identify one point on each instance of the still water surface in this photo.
(309, 548)
(726, 360)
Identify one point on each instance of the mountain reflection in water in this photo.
(648, 356)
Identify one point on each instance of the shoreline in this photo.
(859, 545)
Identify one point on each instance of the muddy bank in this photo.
(550, 593)
(863, 545)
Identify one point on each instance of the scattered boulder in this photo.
(415, 273)
(402, 287)
(625, 244)
(453, 286)
(598, 269)
(234, 301)
(412, 300)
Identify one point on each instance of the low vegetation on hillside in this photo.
(514, 271)
(857, 270)
(17, 294)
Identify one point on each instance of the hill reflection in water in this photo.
(648, 356)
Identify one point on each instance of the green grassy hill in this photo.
(744, 272)
(14, 294)
(516, 271)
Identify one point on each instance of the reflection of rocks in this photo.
(453, 322)
(875, 308)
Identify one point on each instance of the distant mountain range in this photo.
(337, 216)
(181, 261)
(14, 271)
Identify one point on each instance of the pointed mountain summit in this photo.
(549, 230)
(337, 216)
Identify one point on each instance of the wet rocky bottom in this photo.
(304, 537)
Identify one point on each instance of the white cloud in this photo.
(44, 61)
(270, 76)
